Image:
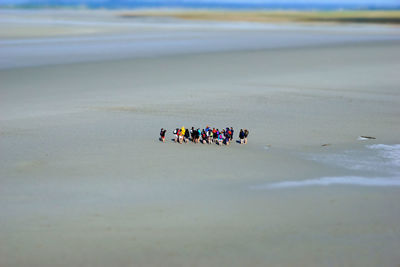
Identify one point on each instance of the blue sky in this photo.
(229, 1)
(299, 1)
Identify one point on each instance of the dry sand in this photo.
(85, 182)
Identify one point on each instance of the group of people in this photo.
(205, 136)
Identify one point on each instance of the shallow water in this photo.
(373, 159)
(144, 38)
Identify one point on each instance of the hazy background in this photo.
(271, 4)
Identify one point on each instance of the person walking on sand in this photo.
(241, 136)
(203, 137)
(220, 138)
(182, 135)
(162, 134)
(198, 135)
(195, 133)
(215, 135)
(176, 135)
(209, 136)
(227, 139)
(246, 133)
(187, 135)
(192, 134)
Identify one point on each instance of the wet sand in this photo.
(85, 181)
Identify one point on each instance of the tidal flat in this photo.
(84, 180)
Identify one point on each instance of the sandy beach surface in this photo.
(84, 180)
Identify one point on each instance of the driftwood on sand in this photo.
(367, 137)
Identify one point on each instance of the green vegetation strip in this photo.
(387, 17)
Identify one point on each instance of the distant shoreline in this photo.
(365, 16)
(277, 16)
(196, 5)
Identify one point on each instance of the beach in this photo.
(84, 180)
